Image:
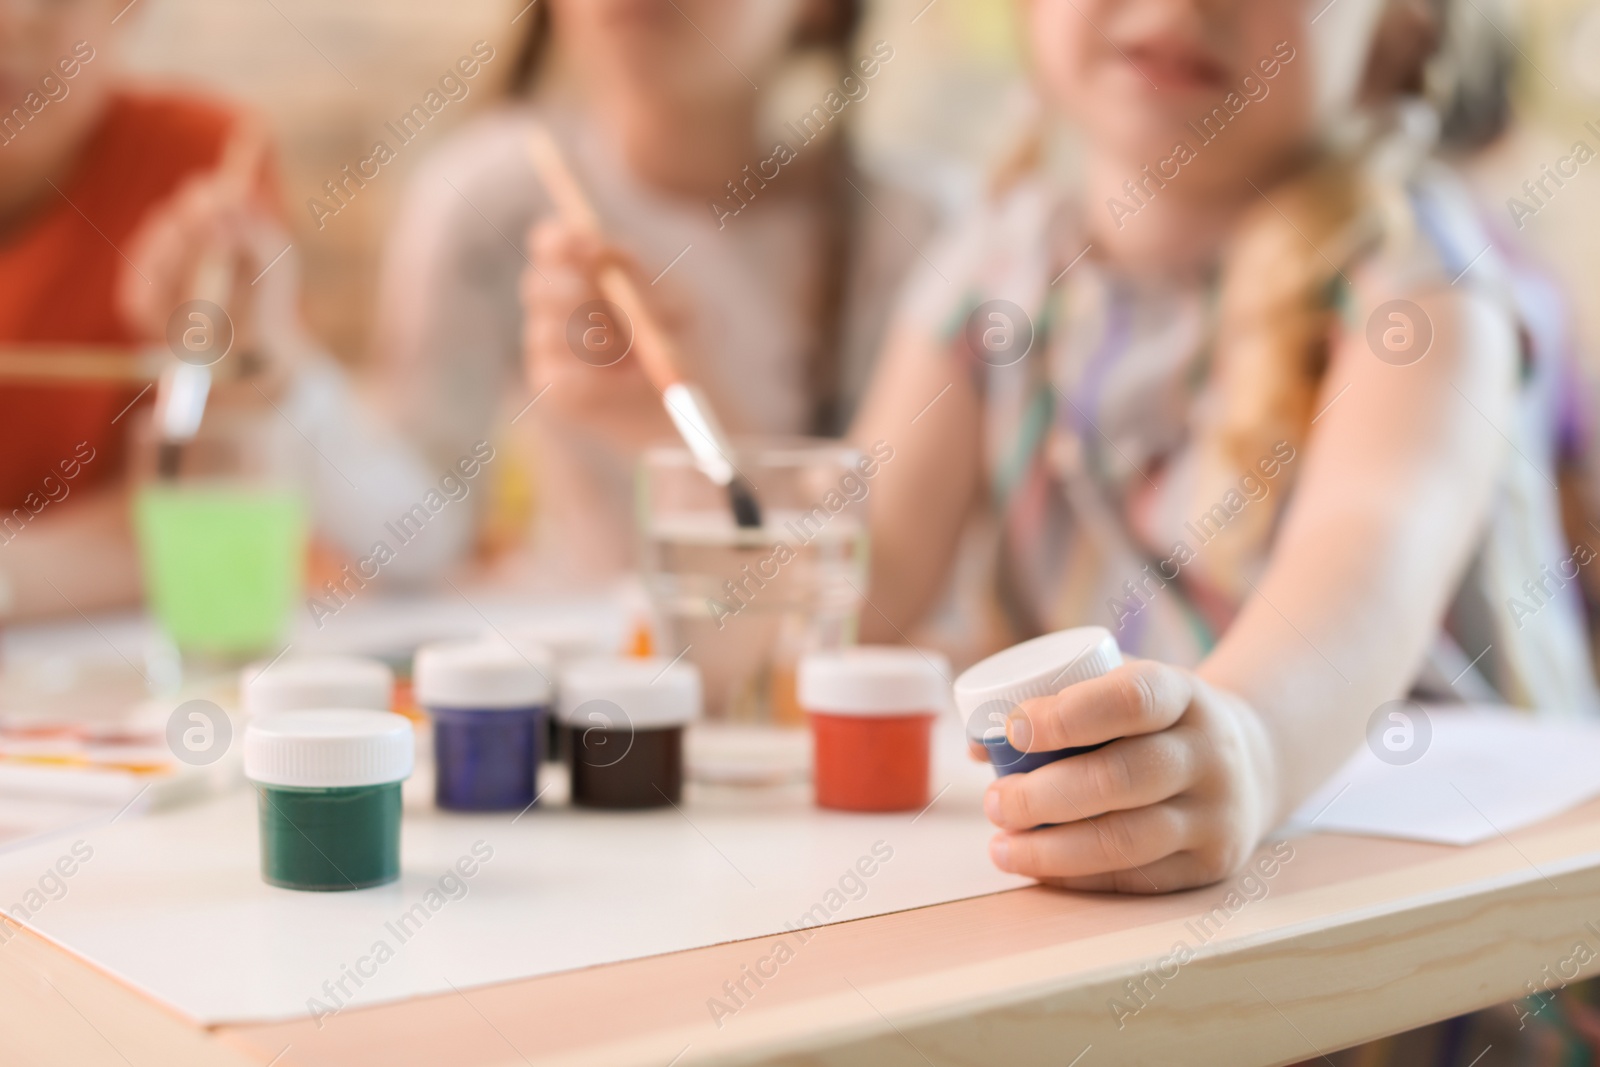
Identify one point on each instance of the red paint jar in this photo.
(872, 712)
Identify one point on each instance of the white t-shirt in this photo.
(748, 291)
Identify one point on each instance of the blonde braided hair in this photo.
(1287, 263)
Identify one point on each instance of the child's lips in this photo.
(1176, 67)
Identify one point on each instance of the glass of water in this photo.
(745, 603)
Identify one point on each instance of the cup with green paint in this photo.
(222, 541)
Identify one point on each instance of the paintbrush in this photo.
(77, 364)
(184, 387)
(686, 403)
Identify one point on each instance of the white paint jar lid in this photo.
(488, 675)
(1037, 668)
(643, 694)
(295, 683)
(328, 748)
(873, 681)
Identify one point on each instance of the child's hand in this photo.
(573, 347)
(212, 217)
(1179, 801)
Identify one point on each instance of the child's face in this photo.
(35, 34)
(38, 40)
(1137, 73)
(665, 46)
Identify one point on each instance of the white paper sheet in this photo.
(1484, 772)
(26, 819)
(173, 903)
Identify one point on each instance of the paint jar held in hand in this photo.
(297, 683)
(328, 789)
(872, 712)
(624, 720)
(988, 692)
(488, 702)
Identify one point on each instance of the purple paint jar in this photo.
(988, 692)
(488, 703)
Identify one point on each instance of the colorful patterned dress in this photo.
(1095, 476)
(1094, 384)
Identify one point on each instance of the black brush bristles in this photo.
(169, 458)
(742, 498)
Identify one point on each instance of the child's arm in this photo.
(924, 407)
(1397, 483)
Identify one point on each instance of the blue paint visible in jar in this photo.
(1008, 760)
(488, 702)
(487, 759)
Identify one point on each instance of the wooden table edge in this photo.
(1476, 923)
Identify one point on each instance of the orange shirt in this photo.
(58, 276)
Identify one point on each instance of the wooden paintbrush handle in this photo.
(89, 365)
(550, 163)
(238, 170)
(658, 354)
(687, 405)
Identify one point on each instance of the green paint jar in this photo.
(328, 792)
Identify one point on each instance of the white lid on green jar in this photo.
(328, 748)
(649, 694)
(486, 674)
(1037, 668)
(873, 681)
(296, 683)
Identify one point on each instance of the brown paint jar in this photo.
(647, 774)
(624, 721)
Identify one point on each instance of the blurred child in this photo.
(754, 233)
(109, 197)
(1260, 398)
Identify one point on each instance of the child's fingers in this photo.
(1141, 697)
(560, 261)
(1113, 842)
(165, 253)
(1130, 773)
(559, 246)
(566, 337)
(554, 289)
(562, 282)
